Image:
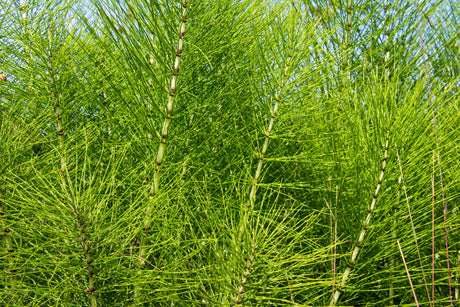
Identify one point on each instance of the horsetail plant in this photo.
(277, 107)
(66, 184)
(155, 186)
(247, 272)
(354, 255)
(249, 206)
(58, 110)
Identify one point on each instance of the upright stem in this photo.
(354, 255)
(58, 110)
(333, 227)
(64, 173)
(249, 206)
(391, 291)
(247, 272)
(154, 189)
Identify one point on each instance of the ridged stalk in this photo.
(88, 259)
(164, 135)
(247, 272)
(249, 206)
(354, 255)
(64, 173)
(57, 111)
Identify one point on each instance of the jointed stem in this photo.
(64, 174)
(154, 189)
(249, 206)
(354, 255)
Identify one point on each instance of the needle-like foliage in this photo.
(219, 153)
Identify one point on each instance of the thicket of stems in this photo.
(249, 181)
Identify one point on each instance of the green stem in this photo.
(154, 189)
(58, 111)
(88, 259)
(249, 206)
(354, 255)
(249, 266)
(64, 173)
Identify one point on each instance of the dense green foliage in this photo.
(226, 152)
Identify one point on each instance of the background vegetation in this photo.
(189, 153)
